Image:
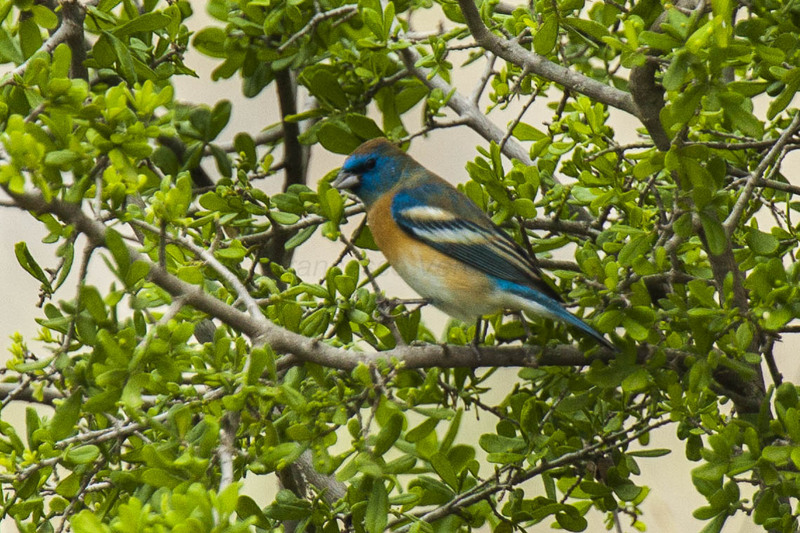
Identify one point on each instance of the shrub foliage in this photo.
(210, 359)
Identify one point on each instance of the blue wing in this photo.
(449, 222)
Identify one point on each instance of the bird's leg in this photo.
(385, 306)
(525, 325)
(479, 336)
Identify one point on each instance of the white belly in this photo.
(446, 284)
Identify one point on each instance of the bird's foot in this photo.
(476, 341)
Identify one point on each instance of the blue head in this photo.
(372, 169)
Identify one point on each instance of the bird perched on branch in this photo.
(442, 244)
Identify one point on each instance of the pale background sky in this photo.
(672, 499)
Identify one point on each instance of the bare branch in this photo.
(22, 392)
(649, 99)
(345, 12)
(485, 77)
(474, 118)
(466, 109)
(71, 27)
(302, 349)
(227, 449)
(541, 66)
(772, 157)
(562, 226)
(493, 486)
(648, 95)
(208, 257)
(311, 220)
(270, 136)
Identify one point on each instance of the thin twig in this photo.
(772, 157)
(208, 257)
(484, 79)
(345, 12)
(65, 31)
(227, 448)
(492, 486)
(541, 66)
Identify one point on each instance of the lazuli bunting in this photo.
(442, 244)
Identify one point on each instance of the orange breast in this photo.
(458, 289)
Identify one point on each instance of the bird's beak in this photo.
(345, 180)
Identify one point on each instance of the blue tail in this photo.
(542, 305)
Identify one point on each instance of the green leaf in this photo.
(388, 434)
(570, 519)
(699, 39)
(70, 486)
(442, 466)
(246, 507)
(66, 417)
(220, 115)
(325, 86)
(775, 319)
(589, 27)
(93, 302)
(335, 138)
(650, 452)
(103, 51)
(660, 41)
(300, 237)
(676, 72)
(710, 472)
(222, 160)
(44, 17)
(544, 40)
(144, 23)
(211, 41)
(82, 454)
(30, 37)
(760, 242)
(637, 381)
(123, 57)
(332, 205)
(792, 84)
(58, 158)
(27, 262)
(62, 57)
(377, 516)
(637, 247)
(363, 127)
(452, 431)
(422, 430)
(88, 522)
(716, 524)
(493, 443)
(119, 251)
(526, 132)
(245, 144)
(715, 234)
(261, 358)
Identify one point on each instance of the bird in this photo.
(443, 245)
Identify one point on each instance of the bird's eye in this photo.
(369, 164)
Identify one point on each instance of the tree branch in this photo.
(511, 51)
(772, 157)
(345, 12)
(71, 29)
(305, 349)
(649, 99)
(466, 109)
(562, 226)
(475, 119)
(227, 449)
(493, 486)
